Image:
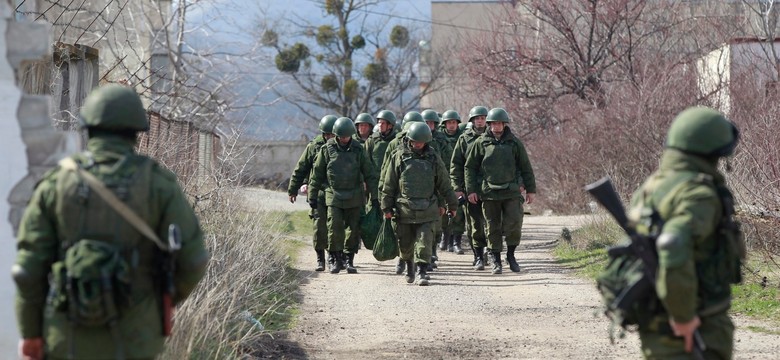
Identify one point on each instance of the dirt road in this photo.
(544, 312)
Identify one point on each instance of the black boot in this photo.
(456, 243)
(421, 278)
(443, 243)
(451, 241)
(496, 256)
(337, 264)
(479, 258)
(510, 259)
(320, 260)
(409, 271)
(350, 263)
(433, 265)
(399, 267)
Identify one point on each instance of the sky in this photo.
(229, 26)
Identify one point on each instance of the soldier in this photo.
(70, 230)
(452, 131)
(442, 148)
(498, 171)
(341, 169)
(409, 118)
(300, 178)
(365, 124)
(687, 202)
(414, 181)
(475, 226)
(377, 142)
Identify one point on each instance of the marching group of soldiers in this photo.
(436, 178)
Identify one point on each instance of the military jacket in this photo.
(413, 184)
(502, 165)
(340, 171)
(459, 159)
(59, 214)
(302, 170)
(376, 145)
(442, 147)
(452, 139)
(359, 139)
(687, 198)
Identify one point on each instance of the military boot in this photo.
(350, 263)
(399, 267)
(479, 258)
(510, 259)
(320, 260)
(496, 257)
(337, 264)
(451, 244)
(443, 243)
(456, 243)
(434, 258)
(421, 278)
(409, 272)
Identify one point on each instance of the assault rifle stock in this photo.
(643, 247)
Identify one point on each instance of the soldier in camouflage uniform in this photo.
(300, 179)
(444, 150)
(400, 138)
(415, 179)
(700, 245)
(377, 143)
(65, 218)
(340, 171)
(475, 225)
(498, 171)
(452, 131)
(365, 125)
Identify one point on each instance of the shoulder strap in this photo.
(120, 207)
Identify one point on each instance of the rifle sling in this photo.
(125, 211)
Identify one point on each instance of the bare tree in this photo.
(358, 65)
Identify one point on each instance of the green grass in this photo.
(295, 223)
(585, 251)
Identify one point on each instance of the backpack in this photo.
(91, 283)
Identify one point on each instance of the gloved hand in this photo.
(375, 203)
(313, 203)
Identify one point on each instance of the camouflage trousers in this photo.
(504, 221)
(338, 221)
(717, 331)
(415, 241)
(320, 236)
(475, 225)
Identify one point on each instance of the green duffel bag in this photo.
(370, 223)
(386, 245)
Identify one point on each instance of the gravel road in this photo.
(543, 312)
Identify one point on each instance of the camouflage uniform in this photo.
(340, 172)
(499, 169)
(64, 210)
(700, 245)
(475, 225)
(414, 181)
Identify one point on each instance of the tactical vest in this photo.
(498, 164)
(100, 272)
(720, 267)
(415, 181)
(343, 171)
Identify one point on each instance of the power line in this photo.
(434, 22)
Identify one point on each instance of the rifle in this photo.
(641, 246)
(169, 268)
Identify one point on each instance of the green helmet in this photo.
(430, 115)
(477, 111)
(387, 115)
(326, 124)
(450, 115)
(497, 114)
(114, 108)
(702, 131)
(412, 116)
(364, 118)
(462, 126)
(344, 127)
(419, 132)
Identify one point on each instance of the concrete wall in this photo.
(271, 163)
